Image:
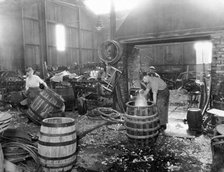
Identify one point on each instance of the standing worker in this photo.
(161, 96)
(33, 85)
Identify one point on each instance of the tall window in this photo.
(60, 37)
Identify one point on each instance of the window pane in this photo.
(60, 37)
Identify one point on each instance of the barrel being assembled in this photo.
(142, 123)
(46, 102)
(57, 144)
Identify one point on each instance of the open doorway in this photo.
(184, 66)
(174, 62)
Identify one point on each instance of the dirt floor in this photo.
(108, 149)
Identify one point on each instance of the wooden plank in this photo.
(216, 112)
(31, 11)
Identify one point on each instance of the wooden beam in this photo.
(112, 21)
(128, 49)
(43, 35)
(23, 39)
(79, 37)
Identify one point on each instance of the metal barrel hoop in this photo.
(119, 51)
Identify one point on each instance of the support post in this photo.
(79, 39)
(112, 21)
(43, 36)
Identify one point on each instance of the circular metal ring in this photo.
(117, 48)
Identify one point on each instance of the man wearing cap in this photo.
(152, 71)
(33, 85)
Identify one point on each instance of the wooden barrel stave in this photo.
(67, 94)
(145, 125)
(142, 135)
(141, 110)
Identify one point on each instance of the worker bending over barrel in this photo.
(33, 85)
(160, 96)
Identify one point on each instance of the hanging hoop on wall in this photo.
(110, 52)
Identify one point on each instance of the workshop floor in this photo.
(107, 149)
(176, 125)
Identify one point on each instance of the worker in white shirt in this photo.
(33, 85)
(160, 96)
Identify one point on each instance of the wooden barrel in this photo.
(218, 104)
(217, 147)
(141, 123)
(46, 102)
(67, 94)
(148, 110)
(57, 144)
(194, 119)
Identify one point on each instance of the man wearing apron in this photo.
(160, 96)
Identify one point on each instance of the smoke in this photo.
(140, 100)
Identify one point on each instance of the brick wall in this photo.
(217, 68)
(134, 66)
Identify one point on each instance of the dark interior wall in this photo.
(11, 49)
